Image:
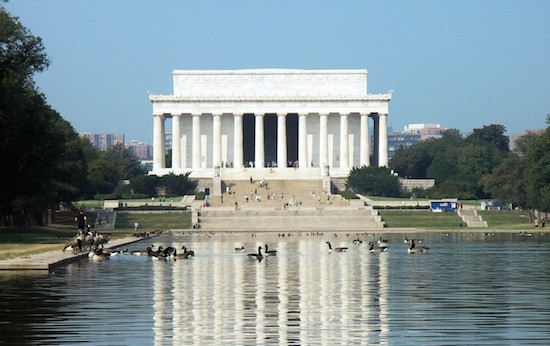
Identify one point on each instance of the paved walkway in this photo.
(51, 259)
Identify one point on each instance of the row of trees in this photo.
(523, 177)
(457, 163)
(477, 166)
(44, 161)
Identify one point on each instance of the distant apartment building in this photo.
(412, 134)
(143, 151)
(103, 141)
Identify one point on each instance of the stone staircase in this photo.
(470, 217)
(275, 194)
(289, 220)
(283, 205)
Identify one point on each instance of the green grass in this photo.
(506, 220)
(12, 239)
(496, 220)
(19, 241)
(33, 235)
(154, 221)
(420, 219)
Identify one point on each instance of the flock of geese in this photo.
(164, 254)
(380, 246)
(171, 253)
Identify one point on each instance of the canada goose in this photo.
(357, 241)
(375, 249)
(382, 242)
(258, 255)
(270, 252)
(111, 251)
(158, 254)
(417, 249)
(239, 249)
(99, 255)
(184, 255)
(74, 244)
(143, 252)
(336, 249)
(169, 251)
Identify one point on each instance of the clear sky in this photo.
(462, 64)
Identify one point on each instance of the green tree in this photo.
(492, 135)
(377, 181)
(108, 168)
(537, 157)
(45, 165)
(177, 185)
(145, 185)
(507, 181)
(103, 175)
(128, 164)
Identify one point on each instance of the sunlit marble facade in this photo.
(312, 120)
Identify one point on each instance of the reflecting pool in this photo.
(468, 289)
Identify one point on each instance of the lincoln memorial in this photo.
(290, 124)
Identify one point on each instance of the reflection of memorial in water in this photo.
(162, 301)
(383, 292)
(366, 298)
(238, 291)
(303, 295)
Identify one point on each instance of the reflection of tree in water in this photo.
(31, 291)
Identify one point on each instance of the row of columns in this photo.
(380, 126)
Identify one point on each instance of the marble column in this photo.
(259, 152)
(344, 141)
(365, 143)
(158, 142)
(302, 140)
(216, 140)
(383, 140)
(176, 142)
(281, 140)
(196, 141)
(323, 140)
(238, 140)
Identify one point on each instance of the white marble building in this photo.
(298, 124)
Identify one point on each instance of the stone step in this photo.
(275, 193)
(287, 220)
(471, 218)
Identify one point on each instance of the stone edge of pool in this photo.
(52, 259)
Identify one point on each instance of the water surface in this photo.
(468, 289)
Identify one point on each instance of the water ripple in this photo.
(469, 289)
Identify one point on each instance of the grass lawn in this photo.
(496, 220)
(420, 219)
(153, 221)
(25, 241)
(506, 220)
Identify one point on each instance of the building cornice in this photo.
(237, 98)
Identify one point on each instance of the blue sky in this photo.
(462, 64)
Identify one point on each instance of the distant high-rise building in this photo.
(424, 130)
(103, 141)
(143, 151)
(412, 134)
